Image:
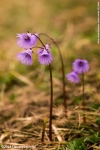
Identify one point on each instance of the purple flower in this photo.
(73, 77)
(80, 66)
(25, 57)
(44, 55)
(26, 40)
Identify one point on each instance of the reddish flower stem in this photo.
(83, 100)
(43, 131)
(63, 72)
(51, 100)
(51, 104)
(39, 39)
(63, 77)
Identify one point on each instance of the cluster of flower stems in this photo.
(27, 41)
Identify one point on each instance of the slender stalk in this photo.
(51, 100)
(63, 77)
(83, 100)
(39, 39)
(43, 131)
(63, 72)
(51, 104)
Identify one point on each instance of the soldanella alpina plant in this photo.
(27, 41)
(73, 77)
(44, 55)
(80, 66)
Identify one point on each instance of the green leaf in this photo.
(93, 138)
(76, 145)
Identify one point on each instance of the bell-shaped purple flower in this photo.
(44, 55)
(80, 66)
(25, 57)
(26, 40)
(73, 77)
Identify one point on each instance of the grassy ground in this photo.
(24, 91)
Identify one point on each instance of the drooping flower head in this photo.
(44, 55)
(73, 77)
(25, 57)
(80, 66)
(26, 40)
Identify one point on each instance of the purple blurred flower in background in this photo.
(26, 40)
(73, 77)
(80, 66)
(44, 55)
(25, 57)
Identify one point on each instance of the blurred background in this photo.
(24, 90)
